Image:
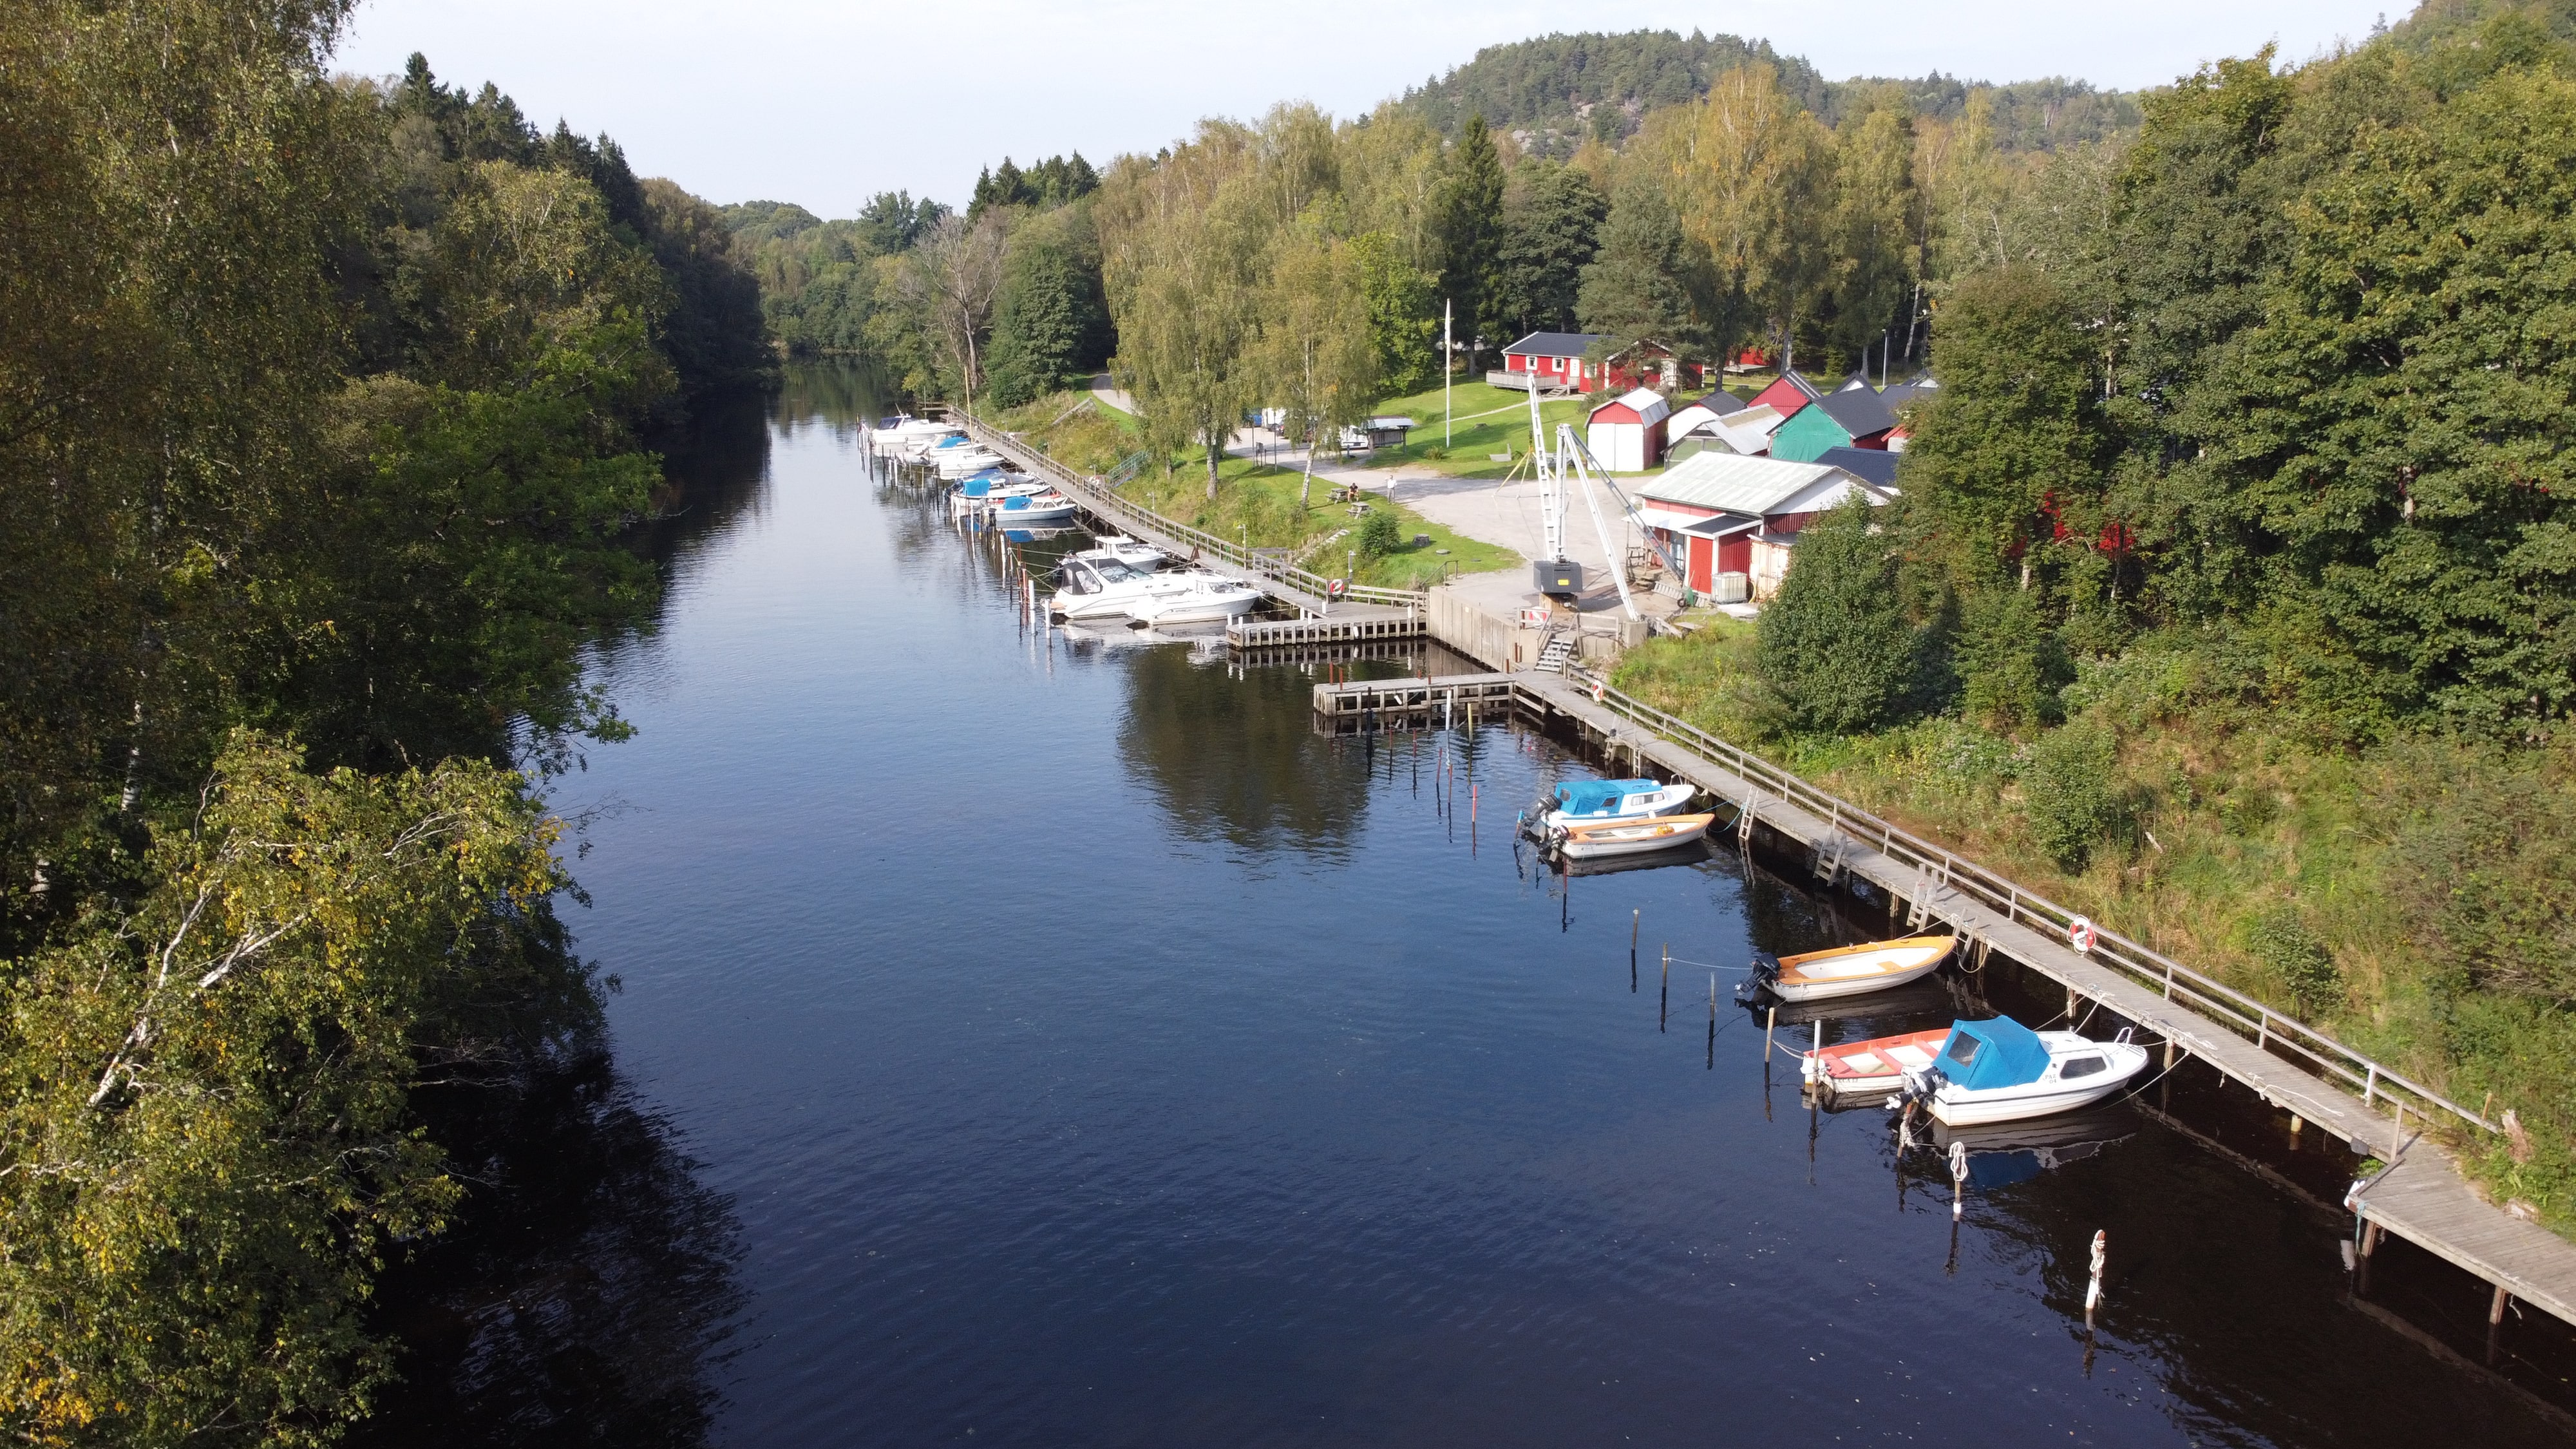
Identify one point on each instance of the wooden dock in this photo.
(1330, 610)
(2296, 1068)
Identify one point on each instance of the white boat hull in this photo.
(1795, 991)
(1592, 844)
(1956, 1106)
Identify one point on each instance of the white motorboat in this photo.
(2002, 1071)
(1044, 508)
(1102, 588)
(1196, 596)
(903, 434)
(1597, 802)
(958, 462)
(1628, 837)
(1131, 552)
(1848, 970)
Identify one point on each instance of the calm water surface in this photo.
(1087, 1054)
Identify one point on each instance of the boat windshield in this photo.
(1963, 1049)
(2080, 1067)
(1112, 571)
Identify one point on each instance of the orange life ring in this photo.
(2081, 935)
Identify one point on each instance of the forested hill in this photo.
(1555, 91)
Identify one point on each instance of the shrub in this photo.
(2283, 944)
(2071, 793)
(2011, 661)
(1836, 646)
(1378, 534)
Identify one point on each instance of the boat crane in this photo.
(1572, 462)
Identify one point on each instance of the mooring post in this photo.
(1768, 1022)
(1636, 917)
(1664, 999)
(2093, 1288)
(1958, 1180)
(1712, 1021)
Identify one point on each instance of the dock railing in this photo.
(2265, 1026)
(1104, 502)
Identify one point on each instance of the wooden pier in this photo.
(1330, 610)
(2379, 1112)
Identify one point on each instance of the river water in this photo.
(1053, 1041)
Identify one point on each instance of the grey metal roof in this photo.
(1553, 344)
(1868, 464)
(1860, 411)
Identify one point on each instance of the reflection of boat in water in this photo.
(2003, 1153)
(1848, 970)
(1999, 1070)
(1630, 837)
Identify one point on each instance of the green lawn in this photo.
(1256, 504)
(1487, 420)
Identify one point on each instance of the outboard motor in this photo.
(1765, 971)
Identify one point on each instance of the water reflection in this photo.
(1238, 758)
(582, 1298)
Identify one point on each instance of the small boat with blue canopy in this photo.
(2001, 1071)
(1597, 802)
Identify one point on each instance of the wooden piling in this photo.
(1712, 1021)
(1664, 1000)
(2093, 1287)
(2495, 1306)
(1958, 1179)
(1768, 1022)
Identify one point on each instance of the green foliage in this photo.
(2490, 866)
(320, 408)
(1638, 289)
(1470, 237)
(206, 1125)
(2411, 401)
(1540, 84)
(1402, 325)
(1379, 534)
(2010, 661)
(1051, 326)
(2009, 457)
(2279, 940)
(1056, 181)
(2071, 790)
(1837, 647)
(1552, 219)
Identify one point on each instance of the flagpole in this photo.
(1448, 361)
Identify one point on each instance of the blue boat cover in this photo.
(1590, 797)
(1997, 1053)
(1016, 500)
(978, 487)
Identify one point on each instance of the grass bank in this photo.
(1256, 504)
(2417, 898)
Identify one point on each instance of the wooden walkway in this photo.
(2422, 1199)
(1363, 612)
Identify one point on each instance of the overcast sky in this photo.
(825, 104)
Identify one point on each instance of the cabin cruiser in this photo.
(1847, 970)
(1131, 552)
(1595, 802)
(1196, 596)
(1100, 588)
(1045, 508)
(2001, 1071)
(959, 462)
(898, 435)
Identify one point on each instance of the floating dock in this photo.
(2296, 1068)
